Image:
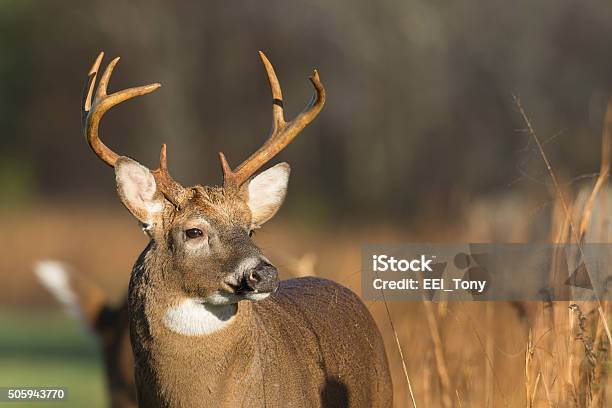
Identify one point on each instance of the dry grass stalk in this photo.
(489, 347)
(490, 363)
(428, 391)
(559, 192)
(441, 367)
(583, 357)
(547, 392)
(529, 388)
(459, 403)
(600, 372)
(399, 348)
(593, 373)
(592, 332)
(535, 388)
(604, 172)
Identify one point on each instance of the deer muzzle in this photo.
(254, 279)
(263, 278)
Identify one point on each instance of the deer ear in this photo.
(266, 193)
(138, 191)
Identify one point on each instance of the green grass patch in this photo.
(50, 350)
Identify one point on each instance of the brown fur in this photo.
(312, 343)
(112, 327)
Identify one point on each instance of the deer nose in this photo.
(263, 278)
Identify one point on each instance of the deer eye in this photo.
(251, 233)
(194, 233)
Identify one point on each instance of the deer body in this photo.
(210, 324)
(310, 344)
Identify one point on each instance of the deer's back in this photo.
(318, 339)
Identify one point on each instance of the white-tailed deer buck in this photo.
(210, 323)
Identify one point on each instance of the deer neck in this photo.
(167, 318)
(174, 336)
(160, 313)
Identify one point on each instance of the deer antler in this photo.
(282, 132)
(95, 106)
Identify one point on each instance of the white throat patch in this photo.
(191, 317)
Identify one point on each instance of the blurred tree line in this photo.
(419, 104)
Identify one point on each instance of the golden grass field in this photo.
(470, 354)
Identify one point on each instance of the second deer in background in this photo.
(109, 323)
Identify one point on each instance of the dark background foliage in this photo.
(419, 94)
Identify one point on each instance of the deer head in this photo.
(200, 235)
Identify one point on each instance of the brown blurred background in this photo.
(419, 141)
(419, 104)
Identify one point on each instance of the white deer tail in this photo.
(56, 278)
(79, 296)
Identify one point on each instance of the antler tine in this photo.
(172, 190)
(163, 158)
(278, 117)
(103, 84)
(94, 107)
(282, 132)
(89, 86)
(229, 177)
